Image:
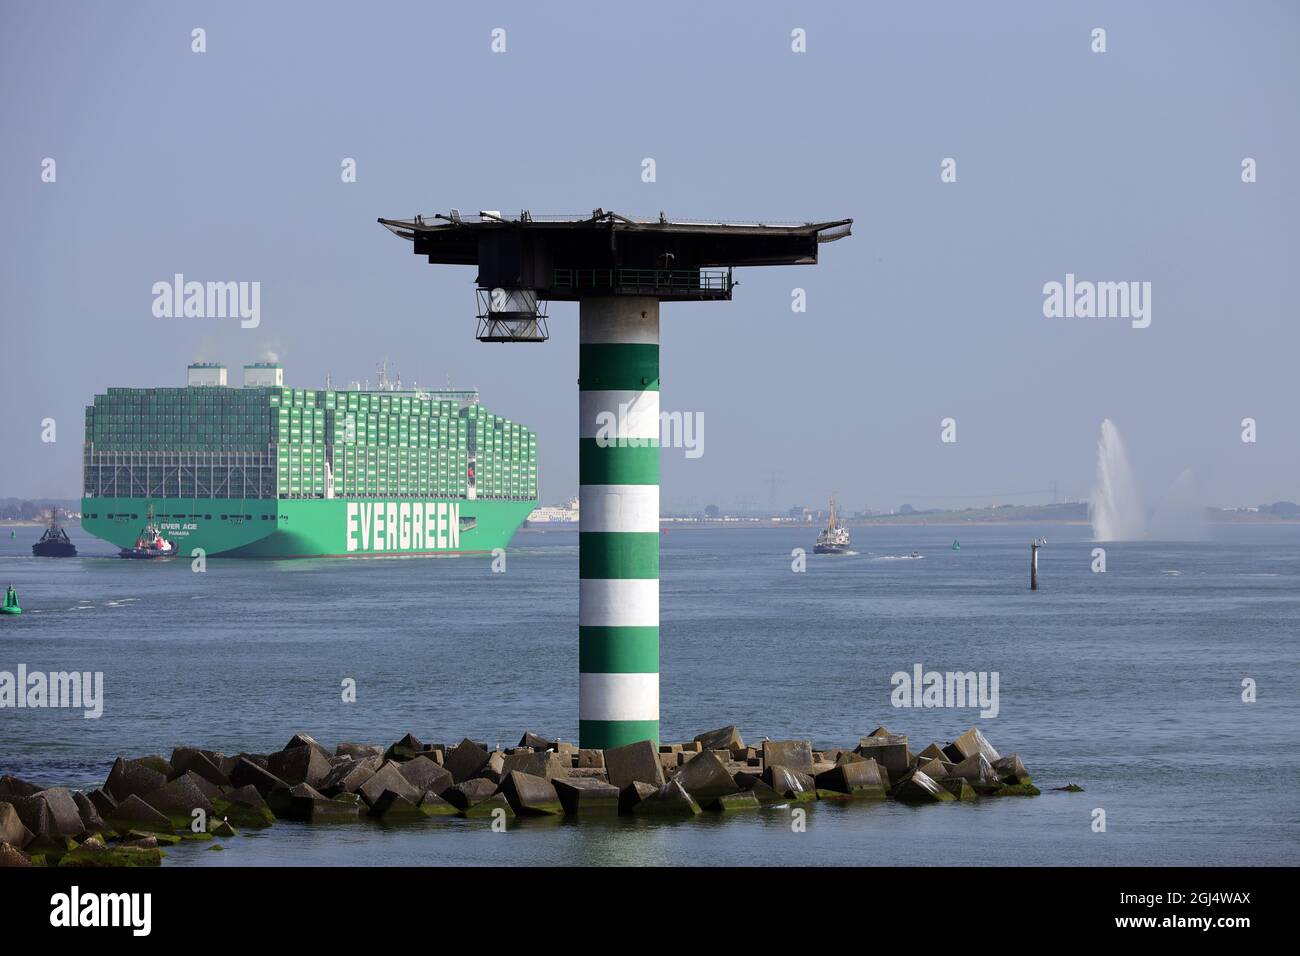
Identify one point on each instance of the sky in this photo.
(1117, 166)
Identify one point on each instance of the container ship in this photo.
(265, 471)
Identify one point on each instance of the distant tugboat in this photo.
(54, 543)
(151, 543)
(10, 605)
(834, 538)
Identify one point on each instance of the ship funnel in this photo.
(263, 373)
(206, 373)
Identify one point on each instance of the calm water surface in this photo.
(1128, 683)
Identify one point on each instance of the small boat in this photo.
(10, 605)
(834, 538)
(150, 543)
(55, 542)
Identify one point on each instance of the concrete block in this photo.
(131, 777)
(12, 856)
(245, 807)
(549, 766)
(359, 752)
(632, 795)
(1011, 770)
(194, 760)
(11, 786)
(134, 814)
(469, 792)
(537, 742)
(591, 758)
(489, 807)
(307, 740)
(763, 793)
(705, 777)
(959, 788)
(724, 738)
(12, 829)
(933, 752)
(734, 802)
(584, 796)
(789, 782)
(393, 807)
(636, 762)
(858, 779)
(246, 772)
(530, 795)
(408, 747)
(425, 775)
(969, 744)
(978, 772)
(434, 805)
(492, 770)
(888, 750)
(918, 788)
(670, 800)
(103, 802)
(388, 777)
(309, 805)
(794, 754)
(303, 764)
(179, 799)
(466, 760)
(349, 775)
(932, 768)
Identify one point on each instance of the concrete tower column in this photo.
(618, 530)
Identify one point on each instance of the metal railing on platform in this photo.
(656, 281)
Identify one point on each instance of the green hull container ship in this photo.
(265, 471)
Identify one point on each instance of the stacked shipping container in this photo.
(213, 441)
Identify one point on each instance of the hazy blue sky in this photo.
(1117, 166)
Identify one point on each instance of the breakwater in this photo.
(148, 803)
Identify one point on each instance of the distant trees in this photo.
(22, 509)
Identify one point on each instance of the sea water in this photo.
(1127, 682)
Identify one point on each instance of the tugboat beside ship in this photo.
(55, 542)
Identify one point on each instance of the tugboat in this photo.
(10, 605)
(54, 543)
(834, 538)
(151, 543)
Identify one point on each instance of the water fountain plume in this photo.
(1116, 509)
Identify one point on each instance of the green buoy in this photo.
(956, 545)
(11, 602)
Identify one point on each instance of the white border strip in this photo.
(618, 696)
(618, 602)
(618, 508)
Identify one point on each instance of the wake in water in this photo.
(1116, 509)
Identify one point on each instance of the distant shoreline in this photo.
(900, 521)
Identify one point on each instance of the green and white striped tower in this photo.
(618, 269)
(618, 530)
